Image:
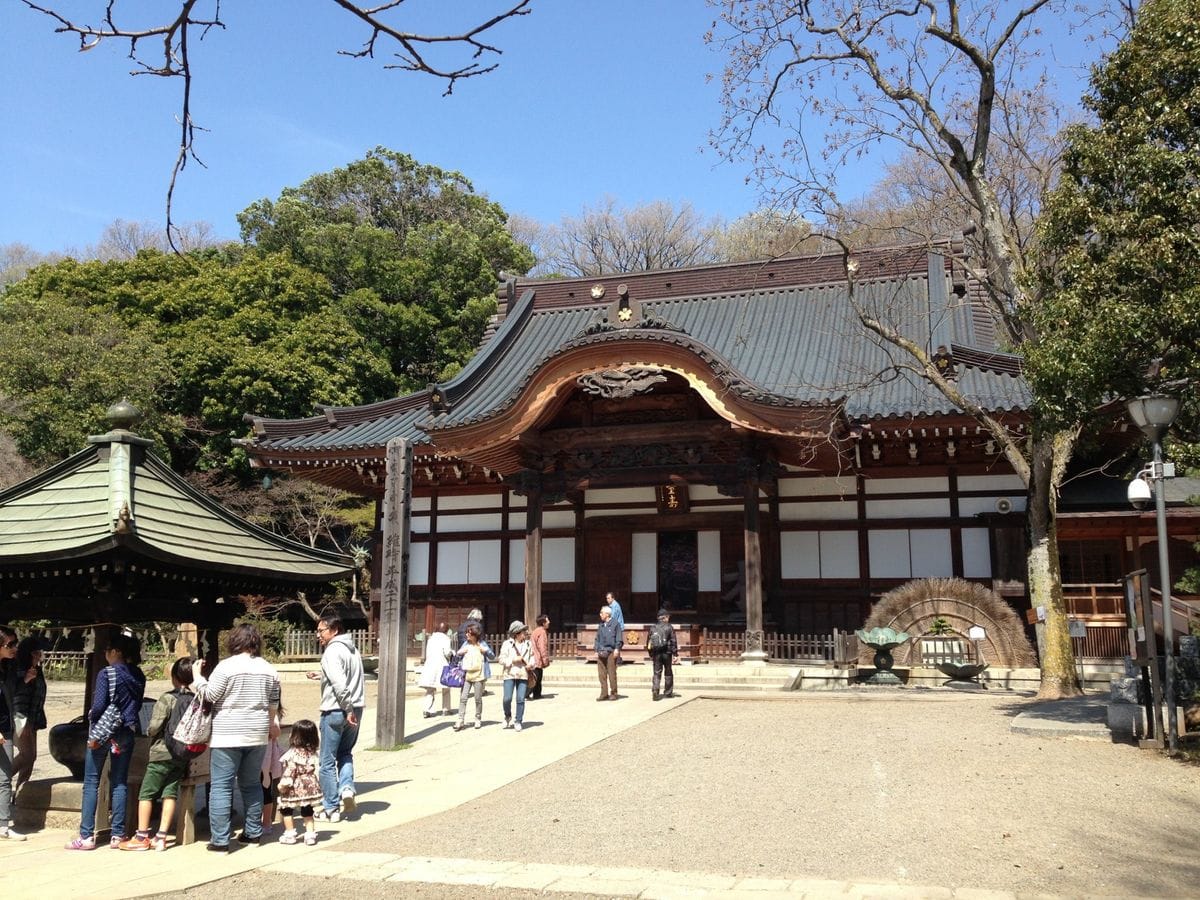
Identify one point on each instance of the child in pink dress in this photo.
(299, 785)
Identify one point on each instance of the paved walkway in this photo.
(432, 776)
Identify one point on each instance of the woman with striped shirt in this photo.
(244, 692)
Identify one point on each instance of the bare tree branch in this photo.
(172, 34)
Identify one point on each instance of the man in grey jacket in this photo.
(343, 696)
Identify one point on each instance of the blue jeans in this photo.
(243, 765)
(118, 772)
(520, 686)
(336, 771)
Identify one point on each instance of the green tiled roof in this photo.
(788, 333)
(116, 494)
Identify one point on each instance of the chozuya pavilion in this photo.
(726, 441)
(111, 535)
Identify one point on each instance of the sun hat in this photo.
(516, 627)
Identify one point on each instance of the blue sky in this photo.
(591, 99)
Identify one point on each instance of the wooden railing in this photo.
(304, 644)
(838, 648)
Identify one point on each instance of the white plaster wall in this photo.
(516, 562)
(931, 556)
(558, 559)
(620, 495)
(819, 511)
(701, 492)
(977, 557)
(997, 483)
(467, 501)
(708, 548)
(483, 562)
(452, 560)
(821, 485)
(973, 506)
(418, 563)
(558, 519)
(907, 509)
(419, 524)
(890, 556)
(800, 554)
(449, 524)
(839, 554)
(645, 562)
(906, 485)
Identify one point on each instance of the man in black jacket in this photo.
(663, 647)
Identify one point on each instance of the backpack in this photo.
(658, 641)
(177, 748)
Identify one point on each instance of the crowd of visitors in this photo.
(239, 707)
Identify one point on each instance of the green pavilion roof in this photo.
(118, 498)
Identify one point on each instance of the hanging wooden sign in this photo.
(672, 498)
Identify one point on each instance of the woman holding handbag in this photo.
(437, 655)
(113, 718)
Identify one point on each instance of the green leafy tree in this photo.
(1120, 284)
(1120, 290)
(194, 341)
(412, 249)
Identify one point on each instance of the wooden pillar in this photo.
(533, 555)
(393, 599)
(754, 653)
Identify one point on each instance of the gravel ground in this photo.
(927, 789)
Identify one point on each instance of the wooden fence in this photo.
(836, 649)
(304, 644)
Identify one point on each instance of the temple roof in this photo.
(118, 496)
(780, 334)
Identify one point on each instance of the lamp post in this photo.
(1153, 414)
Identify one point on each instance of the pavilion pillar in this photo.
(393, 596)
(754, 653)
(533, 555)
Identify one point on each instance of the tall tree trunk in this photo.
(1048, 457)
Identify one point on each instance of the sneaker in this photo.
(289, 837)
(459, 726)
(217, 848)
(656, 696)
(325, 815)
(478, 723)
(348, 803)
(508, 723)
(116, 841)
(310, 838)
(8, 833)
(516, 726)
(135, 843)
(159, 843)
(80, 843)
(244, 838)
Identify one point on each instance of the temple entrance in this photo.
(678, 570)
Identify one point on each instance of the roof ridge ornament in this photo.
(623, 313)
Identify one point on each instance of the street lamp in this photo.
(1153, 414)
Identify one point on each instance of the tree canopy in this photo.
(412, 249)
(1120, 284)
(195, 341)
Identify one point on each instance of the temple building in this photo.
(727, 441)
